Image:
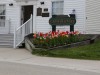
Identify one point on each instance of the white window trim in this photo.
(5, 11)
(52, 6)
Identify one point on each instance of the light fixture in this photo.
(73, 11)
(11, 4)
(42, 3)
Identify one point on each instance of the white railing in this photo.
(22, 31)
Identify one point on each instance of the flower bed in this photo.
(57, 39)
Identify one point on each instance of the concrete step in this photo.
(6, 34)
(6, 46)
(6, 37)
(3, 39)
(6, 40)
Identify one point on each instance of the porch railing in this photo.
(22, 31)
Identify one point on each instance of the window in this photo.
(2, 15)
(57, 7)
(2, 12)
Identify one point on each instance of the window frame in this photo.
(5, 11)
(58, 8)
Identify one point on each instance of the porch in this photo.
(6, 38)
(13, 40)
(12, 29)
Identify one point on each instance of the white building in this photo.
(15, 14)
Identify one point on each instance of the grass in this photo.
(91, 52)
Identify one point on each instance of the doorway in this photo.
(26, 12)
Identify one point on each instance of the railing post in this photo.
(23, 32)
(9, 24)
(31, 23)
(15, 38)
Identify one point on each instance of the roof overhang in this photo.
(24, 0)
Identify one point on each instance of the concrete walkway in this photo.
(25, 57)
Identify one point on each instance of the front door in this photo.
(27, 11)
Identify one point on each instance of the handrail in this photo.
(23, 24)
(22, 31)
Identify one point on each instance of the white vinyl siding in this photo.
(42, 23)
(12, 14)
(79, 7)
(93, 16)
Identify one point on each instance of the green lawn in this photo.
(91, 52)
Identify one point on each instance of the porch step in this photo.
(6, 46)
(6, 40)
(6, 36)
(3, 39)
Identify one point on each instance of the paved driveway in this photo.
(25, 57)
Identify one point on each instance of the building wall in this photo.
(93, 16)
(79, 5)
(12, 13)
(42, 23)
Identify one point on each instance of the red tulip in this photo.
(41, 34)
(34, 36)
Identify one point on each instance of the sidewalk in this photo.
(25, 57)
